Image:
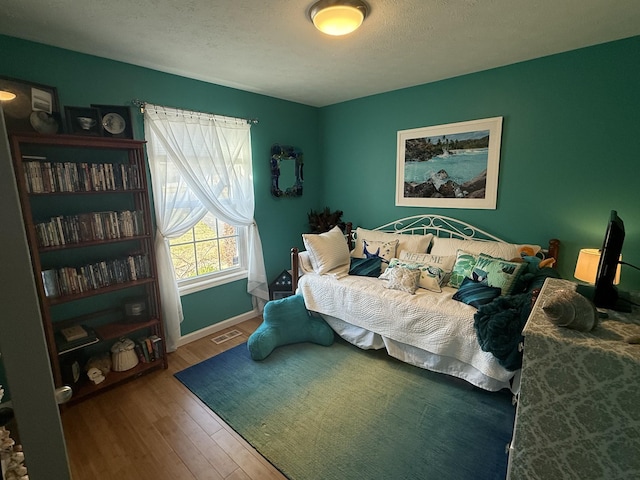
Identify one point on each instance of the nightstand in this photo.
(578, 414)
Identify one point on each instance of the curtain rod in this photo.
(141, 104)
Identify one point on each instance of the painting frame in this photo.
(83, 121)
(436, 189)
(121, 113)
(31, 98)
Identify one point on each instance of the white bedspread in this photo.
(427, 320)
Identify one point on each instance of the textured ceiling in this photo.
(271, 47)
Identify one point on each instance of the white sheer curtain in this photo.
(199, 163)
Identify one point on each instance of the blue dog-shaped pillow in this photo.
(287, 321)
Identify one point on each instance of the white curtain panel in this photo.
(199, 163)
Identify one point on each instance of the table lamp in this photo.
(587, 266)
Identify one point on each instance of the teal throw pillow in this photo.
(365, 267)
(475, 293)
(497, 272)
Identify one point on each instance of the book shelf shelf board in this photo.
(113, 331)
(64, 348)
(90, 192)
(109, 143)
(85, 387)
(93, 243)
(90, 293)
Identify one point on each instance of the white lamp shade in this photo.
(587, 266)
(338, 19)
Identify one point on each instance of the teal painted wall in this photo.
(82, 80)
(570, 148)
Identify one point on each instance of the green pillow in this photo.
(497, 272)
(462, 268)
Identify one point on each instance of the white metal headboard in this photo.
(438, 225)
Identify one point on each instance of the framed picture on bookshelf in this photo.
(83, 121)
(115, 120)
(35, 107)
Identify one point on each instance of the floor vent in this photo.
(226, 336)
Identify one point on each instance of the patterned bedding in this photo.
(429, 329)
(427, 321)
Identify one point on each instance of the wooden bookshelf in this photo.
(64, 177)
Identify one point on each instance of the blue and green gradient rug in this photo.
(339, 413)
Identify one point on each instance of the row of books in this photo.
(86, 227)
(49, 177)
(74, 280)
(149, 349)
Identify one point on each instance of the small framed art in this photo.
(449, 166)
(115, 120)
(83, 121)
(35, 107)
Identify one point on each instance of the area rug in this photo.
(339, 413)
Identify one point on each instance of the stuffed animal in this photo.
(102, 362)
(95, 375)
(537, 270)
(527, 254)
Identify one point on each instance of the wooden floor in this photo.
(154, 428)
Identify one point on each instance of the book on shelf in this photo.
(152, 357)
(65, 346)
(144, 349)
(50, 283)
(46, 177)
(75, 332)
(149, 349)
(74, 280)
(86, 227)
(156, 342)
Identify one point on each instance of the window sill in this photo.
(196, 285)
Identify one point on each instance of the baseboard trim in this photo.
(216, 327)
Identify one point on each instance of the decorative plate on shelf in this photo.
(114, 123)
(43, 122)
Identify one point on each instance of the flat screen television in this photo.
(606, 295)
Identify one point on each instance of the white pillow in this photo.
(444, 263)
(410, 243)
(430, 276)
(304, 263)
(449, 246)
(328, 252)
(384, 250)
(403, 279)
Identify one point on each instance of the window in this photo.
(210, 253)
(202, 162)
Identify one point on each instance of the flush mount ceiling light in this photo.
(338, 17)
(5, 96)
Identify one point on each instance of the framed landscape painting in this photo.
(449, 166)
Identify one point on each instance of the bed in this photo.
(429, 327)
